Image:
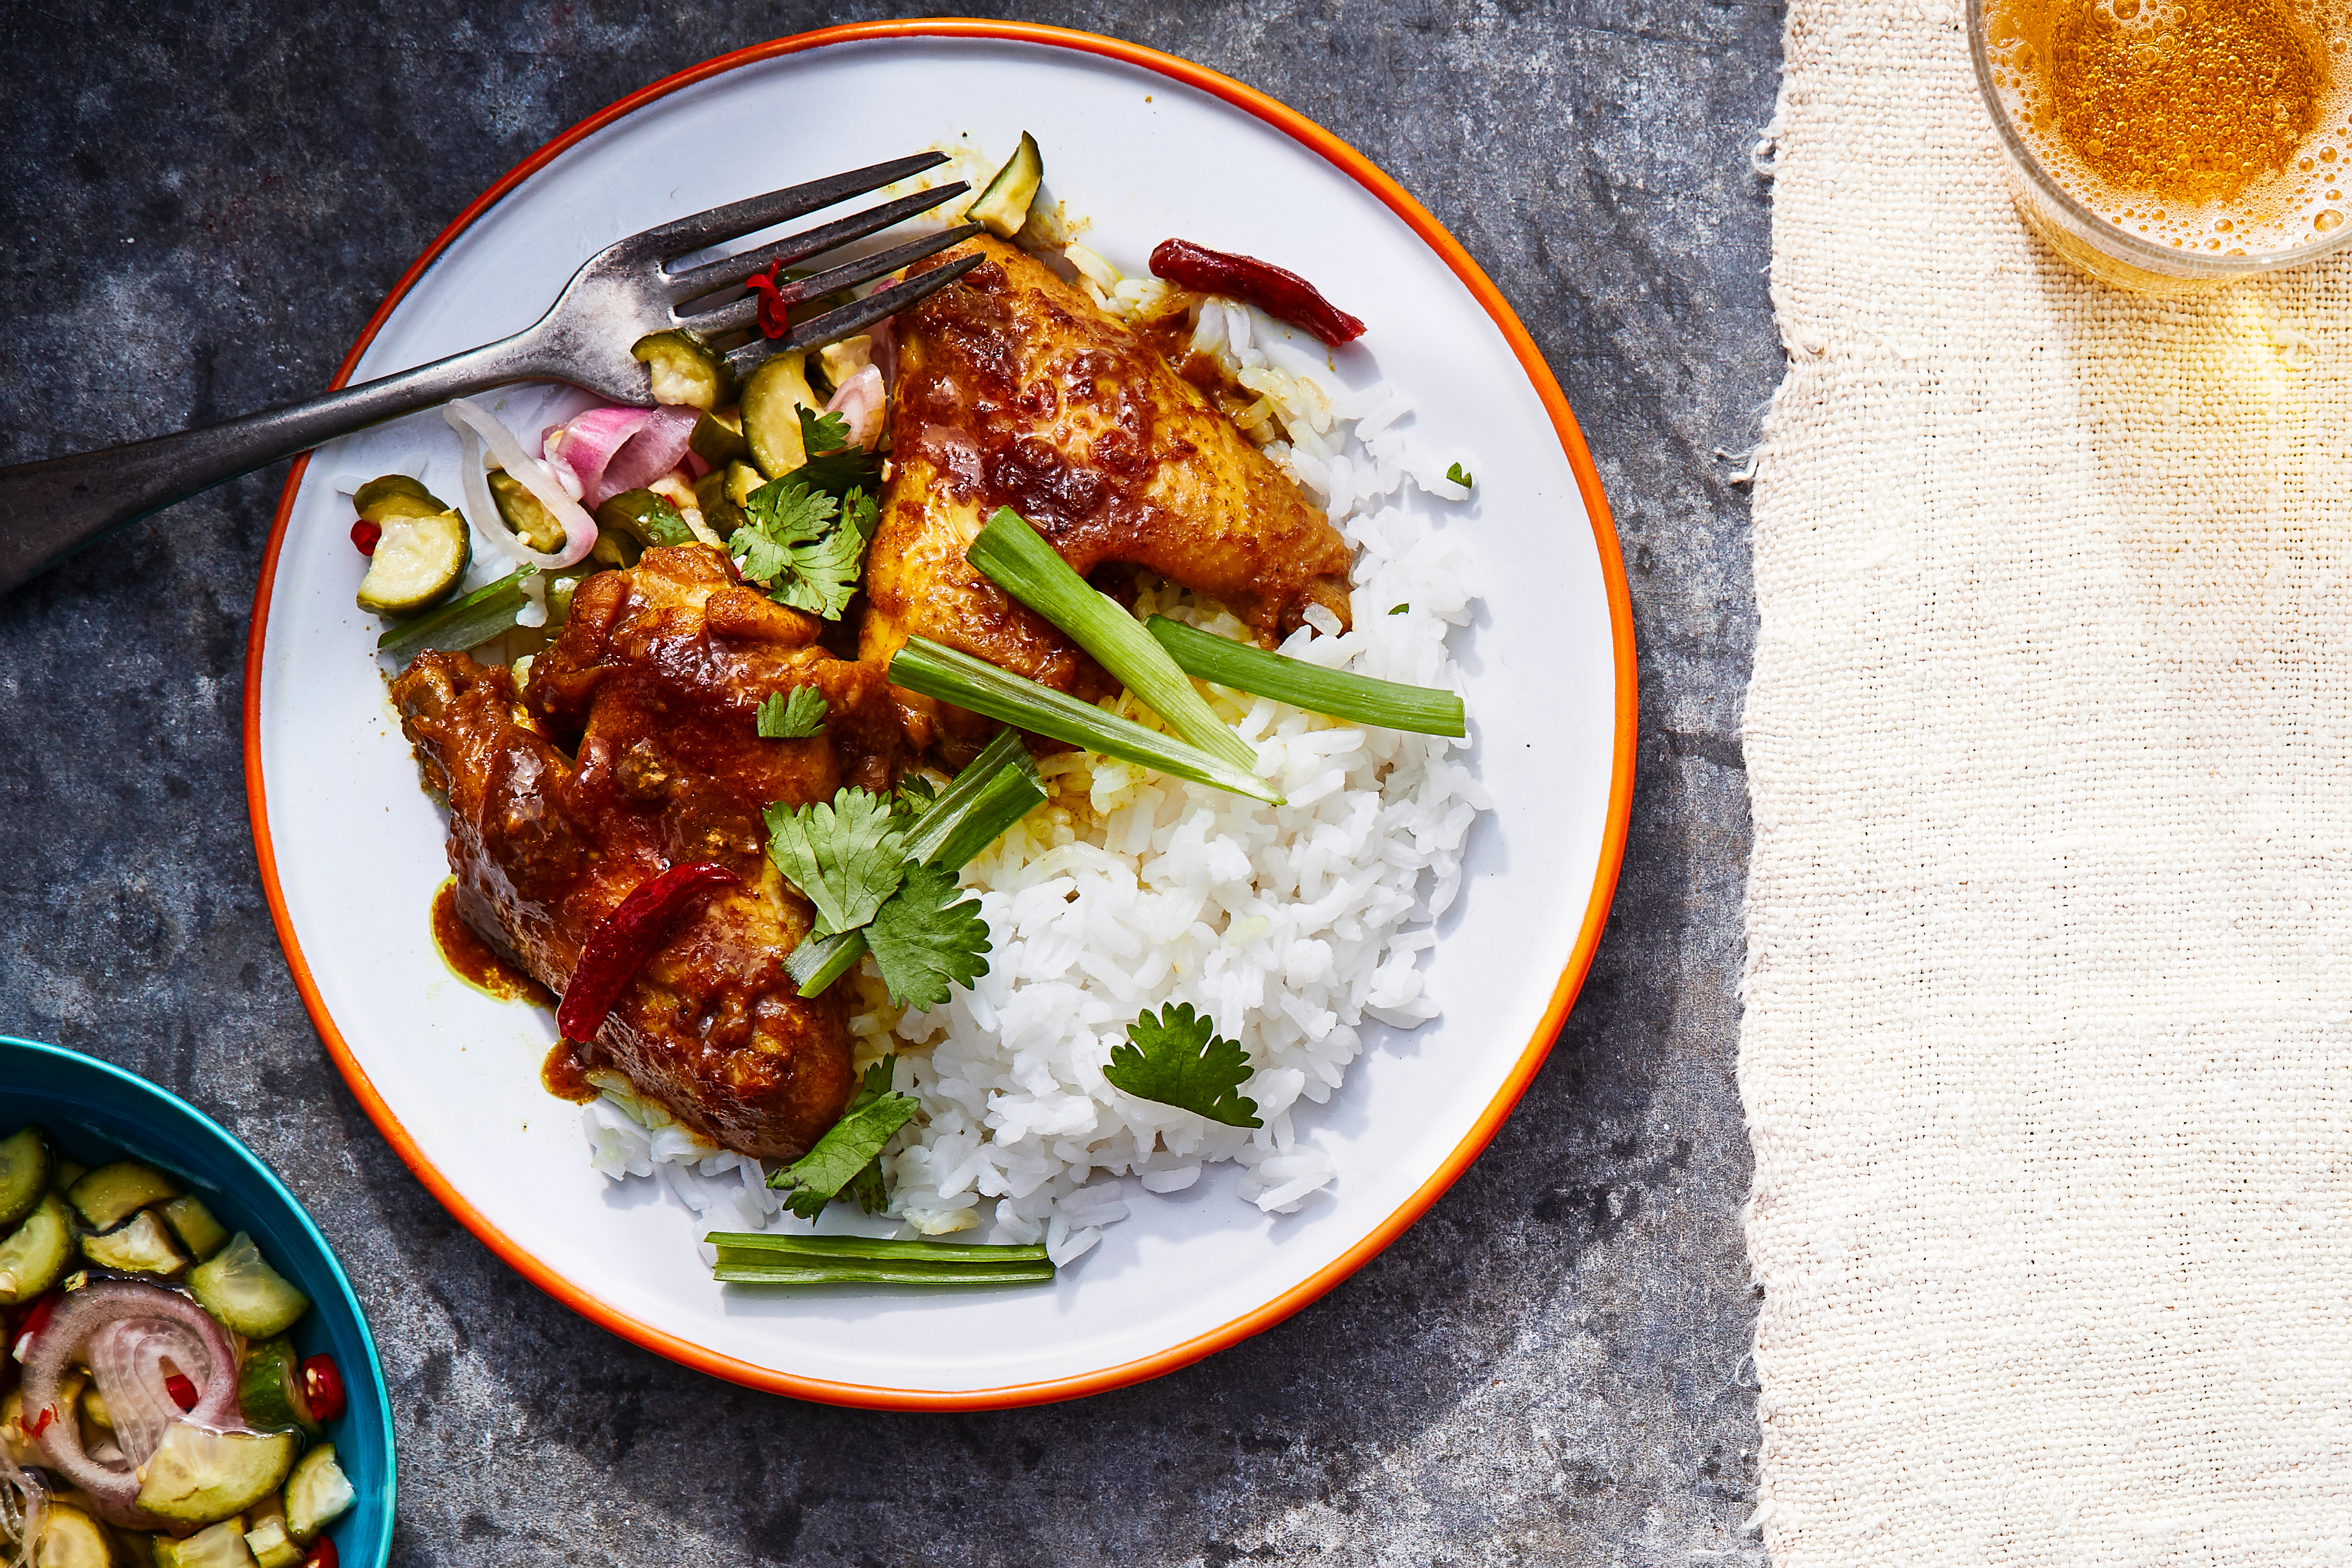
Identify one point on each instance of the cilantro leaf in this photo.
(925, 940)
(845, 855)
(804, 546)
(1179, 1059)
(1460, 476)
(843, 1155)
(833, 466)
(916, 794)
(822, 433)
(791, 718)
(869, 1186)
(1399, 609)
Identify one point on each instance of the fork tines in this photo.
(858, 315)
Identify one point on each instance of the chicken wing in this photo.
(1015, 390)
(633, 746)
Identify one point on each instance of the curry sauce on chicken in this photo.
(632, 743)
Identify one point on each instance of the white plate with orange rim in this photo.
(350, 849)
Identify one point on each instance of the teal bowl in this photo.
(93, 1110)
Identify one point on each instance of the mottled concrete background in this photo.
(201, 205)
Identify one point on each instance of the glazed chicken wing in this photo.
(632, 748)
(1015, 390)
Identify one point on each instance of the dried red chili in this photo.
(365, 534)
(619, 947)
(1280, 293)
(773, 321)
(41, 1423)
(183, 1392)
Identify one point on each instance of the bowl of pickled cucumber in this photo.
(186, 1379)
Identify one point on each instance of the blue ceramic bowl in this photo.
(96, 1113)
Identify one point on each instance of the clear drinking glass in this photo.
(2118, 247)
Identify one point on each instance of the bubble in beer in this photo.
(2222, 110)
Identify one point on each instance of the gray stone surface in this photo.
(1550, 1367)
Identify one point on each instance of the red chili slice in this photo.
(37, 1317)
(365, 534)
(322, 1554)
(1282, 294)
(323, 1388)
(618, 948)
(773, 315)
(41, 1423)
(183, 1392)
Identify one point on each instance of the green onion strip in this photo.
(925, 667)
(767, 1258)
(1016, 558)
(1422, 709)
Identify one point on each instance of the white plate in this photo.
(351, 850)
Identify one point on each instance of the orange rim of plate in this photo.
(1604, 882)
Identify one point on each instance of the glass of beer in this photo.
(2171, 146)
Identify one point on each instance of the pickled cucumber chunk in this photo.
(525, 513)
(687, 372)
(198, 1231)
(239, 1287)
(644, 517)
(37, 1252)
(317, 1494)
(718, 437)
(772, 398)
(417, 561)
(200, 1476)
(113, 1193)
(143, 1247)
(270, 1545)
(72, 1539)
(220, 1545)
(24, 1166)
(394, 495)
(1003, 206)
(269, 1388)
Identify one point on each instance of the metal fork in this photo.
(50, 509)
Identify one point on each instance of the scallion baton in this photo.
(1016, 558)
(471, 621)
(763, 1258)
(925, 667)
(996, 790)
(1422, 709)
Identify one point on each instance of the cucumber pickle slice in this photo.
(201, 1476)
(37, 1252)
(113, 1193)
(417, 561)
(686, 371)
(317, 1494)
(143, 1247)
(239, 1287)
(1004, 207)
(269, 1388)
(198, 1231)
(772, 398)
(24, 1173)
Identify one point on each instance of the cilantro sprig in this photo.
(845, 854)
(792, 717)
(1178, 1059)
(849, 1154)
(802, 546)
(832, 464)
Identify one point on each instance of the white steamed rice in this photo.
(1290, 926)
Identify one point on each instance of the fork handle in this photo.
(50, 509)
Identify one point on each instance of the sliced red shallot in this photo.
(859, 400)
(476, 428)
(659, 445)
(125, 1331)
(584, 445)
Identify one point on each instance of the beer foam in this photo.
(2217, 126)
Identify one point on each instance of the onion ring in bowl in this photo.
(161, 1322)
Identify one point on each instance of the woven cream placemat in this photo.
(2048, 1044)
